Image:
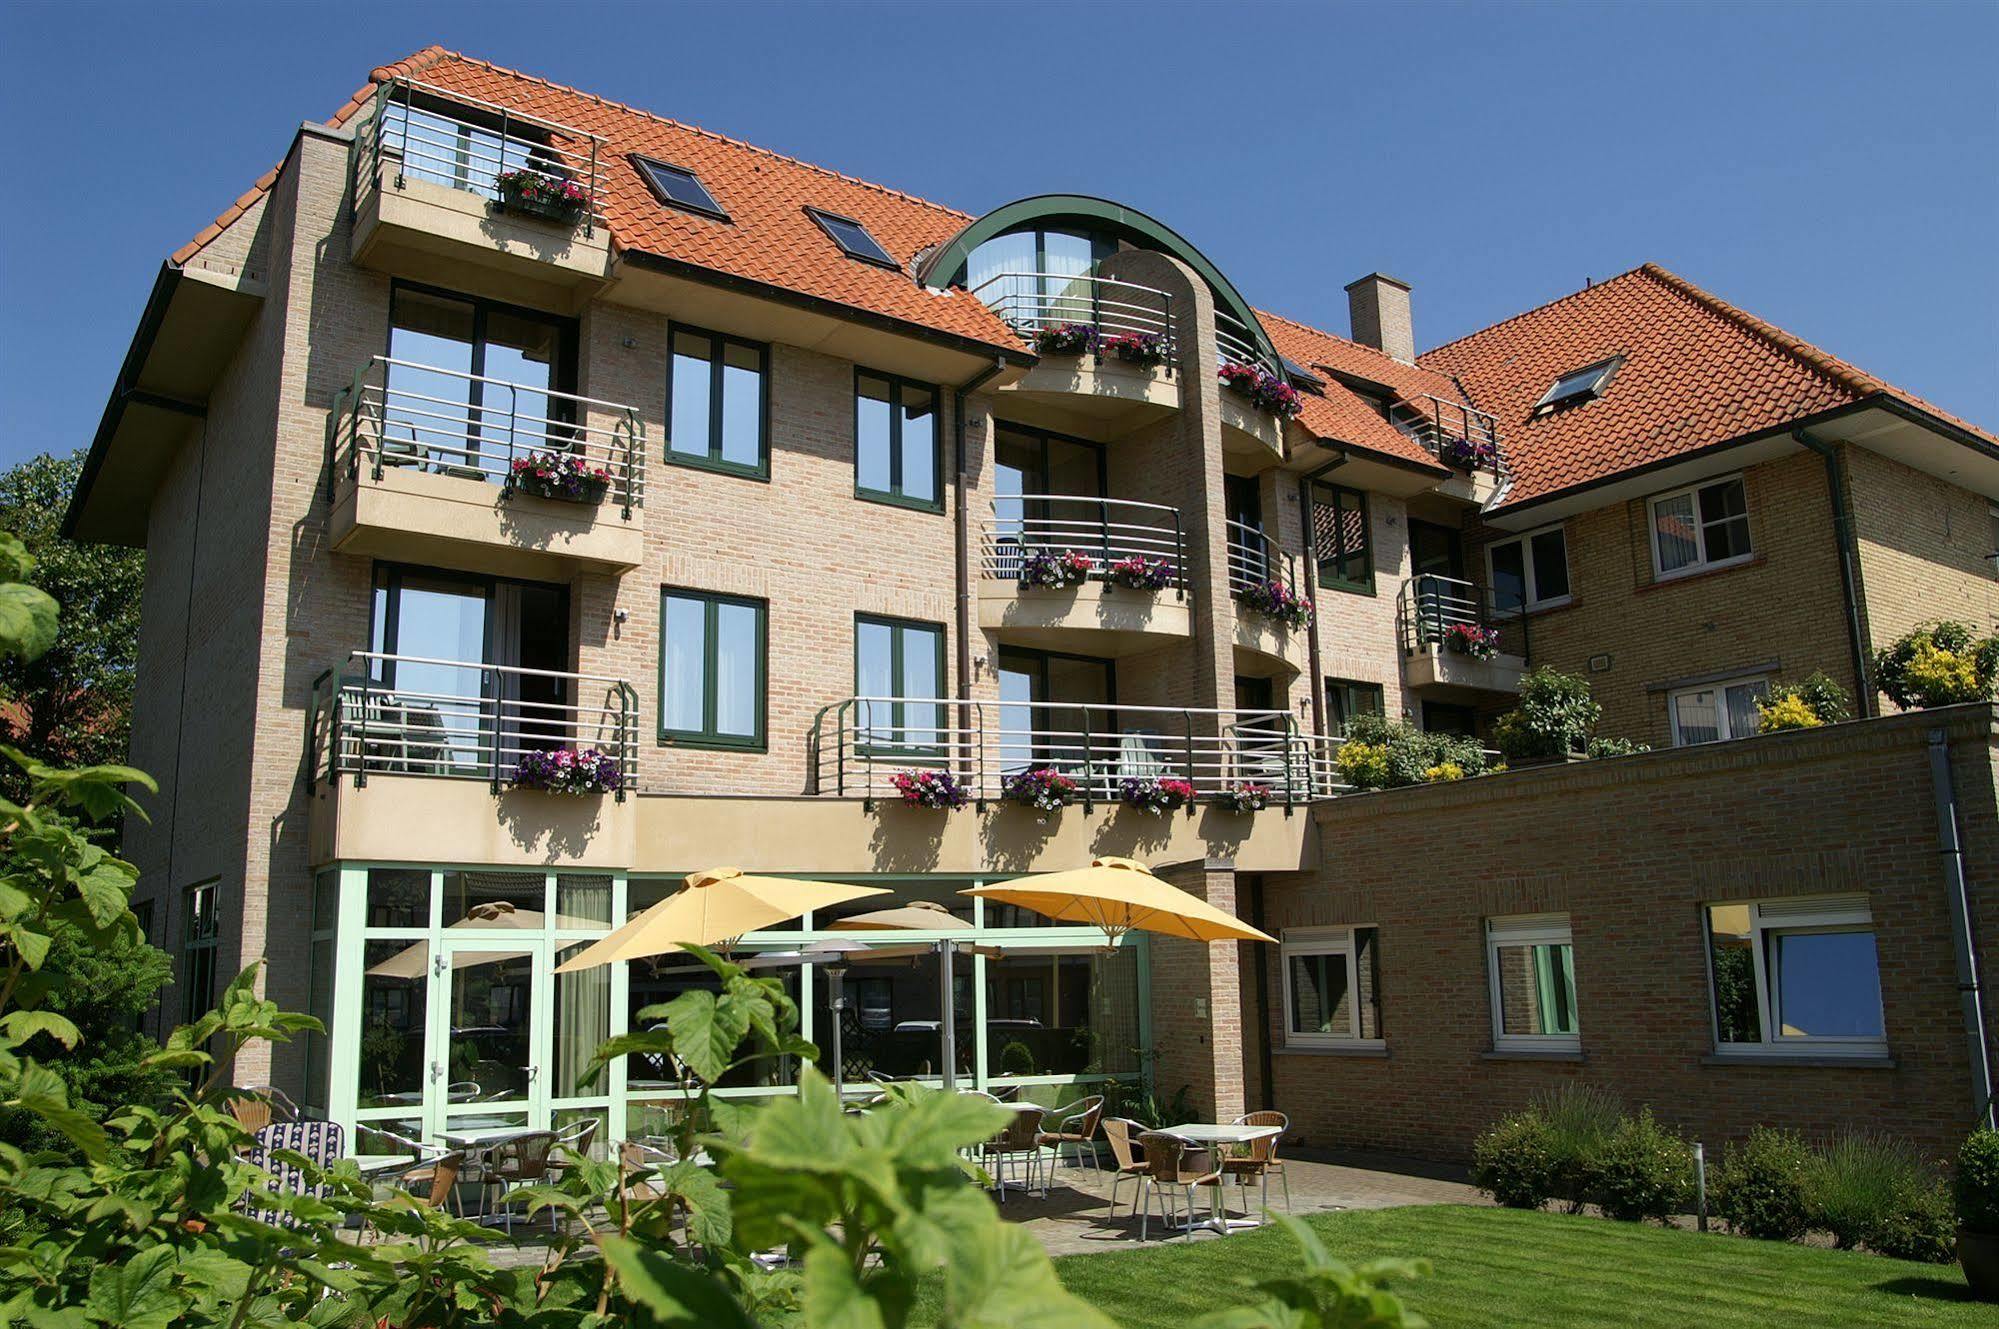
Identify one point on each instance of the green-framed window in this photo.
(1347, 698)
(713, 657)
(1340, 538)
(896, 458)
(900, 662)
(718, 402)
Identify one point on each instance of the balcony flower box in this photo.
(1264, 391)
(536, 195)
(1139, 573)
(1056, 571)
(1244, 797)
(1480, 643)
(563, 476)
(567, 771)
(1157, 796)
(1276, 600)
(940, 790)
(1145, 349)
(1469, 454)
(1065, 339)
(1044, 789)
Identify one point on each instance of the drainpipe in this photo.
(961, 523)
(1264, 1063)
(1950, 850)
(1849, 567)
(1317, 689)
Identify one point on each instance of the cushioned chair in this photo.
(321, 1143)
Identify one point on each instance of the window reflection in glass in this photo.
(582, 1023)
(1537, 989)
(395, 993)
(1732, 957)
(657, 980)
(491, 993)
(1062, 1013)
(1825, 985)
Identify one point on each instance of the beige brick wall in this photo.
(1923, 549)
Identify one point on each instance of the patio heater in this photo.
(835, 966)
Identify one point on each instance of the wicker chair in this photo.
(1261, 1159)
(1075, 1129)
(572, 1142)
(1172, 1167)
(436, 1182)
(1122, 1134)
(1020, 1140)
(520, 1161)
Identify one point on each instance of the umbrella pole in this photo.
(946, 951)
(836, 995)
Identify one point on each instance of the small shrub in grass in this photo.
(1920, 1225)
(1859, 1182)
(1512, 1161)
(1581, 1120)
(1643, 1171)
(1759, 1189)
(1977, 1182)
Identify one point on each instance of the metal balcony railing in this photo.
(410, 715)
(1255, 558)
(858, 745)
(446, 138)
(396, 413)
(1439, 425)
(1428, 607)
(1030, 302)
(1105, 530)
(1235, 344)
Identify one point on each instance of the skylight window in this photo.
(679, 188)
(1581, 384)
(853, 238)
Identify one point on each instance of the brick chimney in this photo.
(1378, 307)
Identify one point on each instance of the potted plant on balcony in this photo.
(1145, 349)
(1156, 795)
(567, 771)
(1245, 796)
(1139, 573)
(1044, 789)
(1065, 339)
(1275, 599)
(936, 789)
(1473, 639)
(1552, 723)
(1056, 571)
(539, 195)
(1265, 391)
(1469, 454)
(1977, 1191)
(559, 475)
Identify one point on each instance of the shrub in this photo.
(1016, 1058)
(1643, 1171)
(1830, 702)
(1613, 747)
(1976, 1184)
(1389, 754)
(1555, 716)
(1512, 1161)
(1938, 664)
(1789, 711)
(1759, 1189)
(1857, 1184)
(1920, 1226)
(1581, 1121)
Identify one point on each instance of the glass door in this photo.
(1060, 732)
(489, 1033)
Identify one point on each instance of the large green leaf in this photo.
(137, 1293)
(27, 620)
(706, 1031)
(680, 1296)
(1001, 1278)
(834, 1295)
(20, 1026)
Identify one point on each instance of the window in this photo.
(1530, 570)
(679, 188)
(717, 403)
(895, 441)
(900, 665)
(1346, 698)
(1706, 526)
(1583, 384)
(1992, 556)
(711, 670)
(1796, 976)
(1531, 963)
(853, 238)
(201, 934)
(1716, 711)
(1332, 986)
(1340, 534)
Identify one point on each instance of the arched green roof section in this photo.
(947, 266)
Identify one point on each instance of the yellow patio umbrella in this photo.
(497, 915)
(1117, 895)
(716, 907)
(916, 916)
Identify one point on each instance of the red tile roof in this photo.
(1344, 416)
(1696, 371)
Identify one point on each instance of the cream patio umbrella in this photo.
(714, 909)
(923, 915)
(497, 916)
(1118, 895)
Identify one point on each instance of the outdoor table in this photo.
(375, 1165)
(1213, 1135)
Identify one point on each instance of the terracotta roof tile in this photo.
(1342, 415)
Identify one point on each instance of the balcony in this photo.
(1464, 439)
(1097, 613)
(430, 167)
(421, 470)
(1247, 430)
(1256, 564)
(858, 745)
(1094, 390)
(1456, 641)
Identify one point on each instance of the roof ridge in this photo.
(1823, 363)
(1374, 351)
(657, 118)
(1528, 313)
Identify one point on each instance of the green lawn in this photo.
(1507, 1267)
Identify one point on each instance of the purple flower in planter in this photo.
(566, 771)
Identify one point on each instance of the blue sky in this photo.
(1833, 167)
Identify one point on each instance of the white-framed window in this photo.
(1699, 527)
(1530, 962)
(1530, 569)
(1332, 987)
(1713, 712)
(1584, 384)
(1799, 976)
